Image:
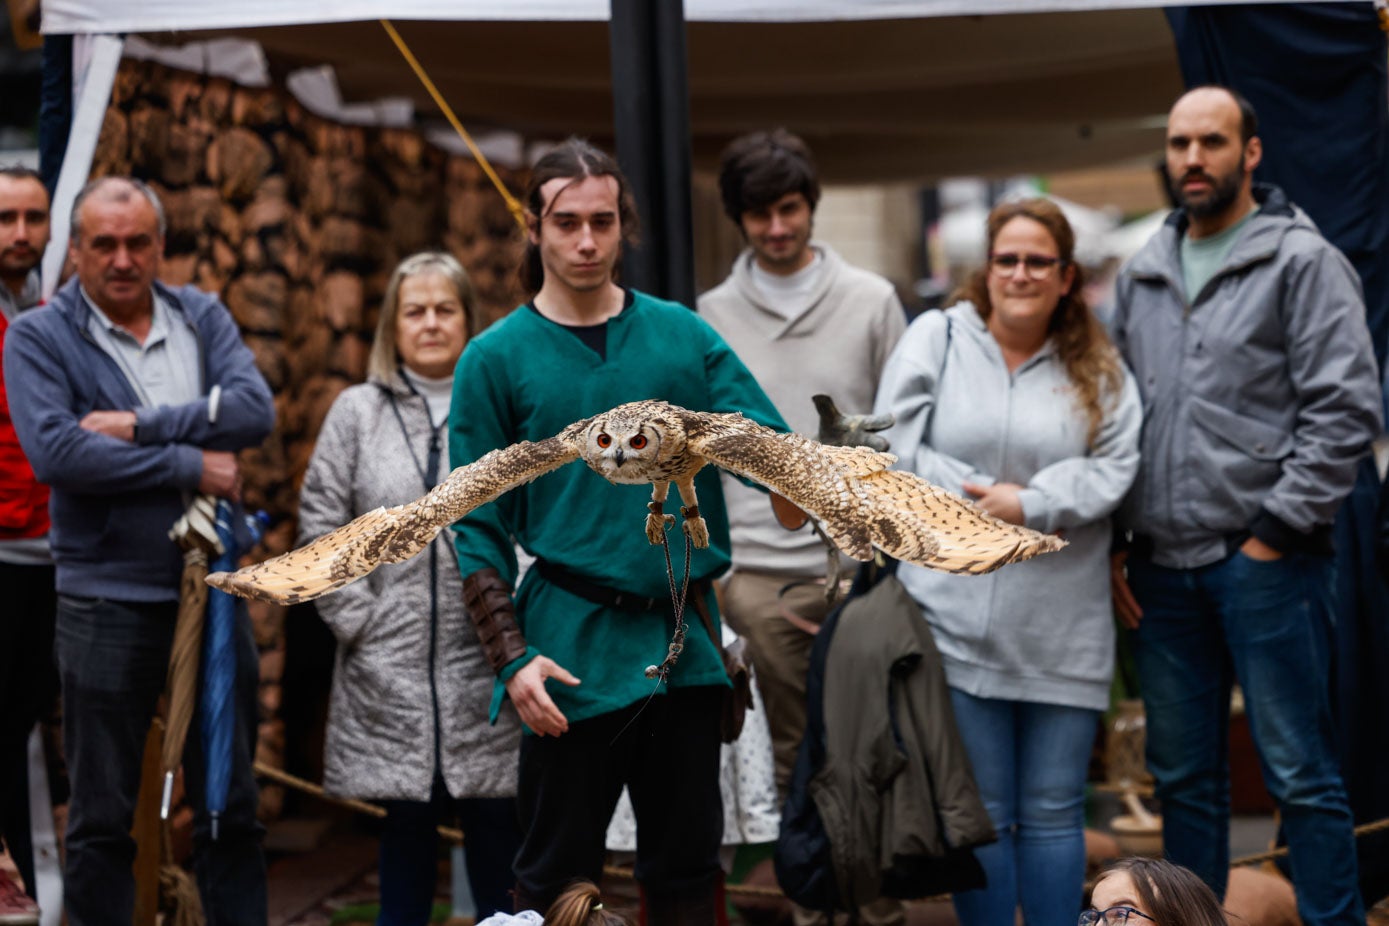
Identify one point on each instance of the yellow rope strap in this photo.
(518, 212)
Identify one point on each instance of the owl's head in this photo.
(629, 443)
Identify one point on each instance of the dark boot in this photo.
(524, 901)
(698, 906)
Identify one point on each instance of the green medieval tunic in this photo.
(527, 378)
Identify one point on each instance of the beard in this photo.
(1223, 193)
(19, 263)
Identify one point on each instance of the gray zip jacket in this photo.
(396, 654)
(1042, 630)
(1260, 394)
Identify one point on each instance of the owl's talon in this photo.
(694, 527)
(657, 524)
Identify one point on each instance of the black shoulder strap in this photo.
(429, 471)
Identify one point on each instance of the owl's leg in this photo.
(694, 526)
(657, 521)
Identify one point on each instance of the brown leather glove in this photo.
(487, 596)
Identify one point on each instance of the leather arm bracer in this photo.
(487, 596)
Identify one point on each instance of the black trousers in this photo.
(569, 786)
(409, 856)
(28, 685)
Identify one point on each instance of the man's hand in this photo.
(1000, 500)
(840, 430)
(1125, 605)
(221, 476)
(788, 514)
(1257, 550)
(527, 691)
(120, 425)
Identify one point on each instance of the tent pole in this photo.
(651, 119)
(95, 61)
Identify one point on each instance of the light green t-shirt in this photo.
(1202, 257)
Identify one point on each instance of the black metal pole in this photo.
(651, 110)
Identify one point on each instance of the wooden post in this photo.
(147, 831)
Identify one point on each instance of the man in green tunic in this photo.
(595, 611)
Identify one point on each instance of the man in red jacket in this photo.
(28, 682)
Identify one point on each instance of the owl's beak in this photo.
(619, 456)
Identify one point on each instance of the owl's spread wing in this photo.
(918, 522)
(391, 535)
(862, 504)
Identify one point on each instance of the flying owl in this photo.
(858, 500)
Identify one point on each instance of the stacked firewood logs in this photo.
(297, 222)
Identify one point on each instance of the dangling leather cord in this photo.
(677, 603)
(678, 597)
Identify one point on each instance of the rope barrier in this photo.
(518, 211)
(453, 834)
(1364, 829)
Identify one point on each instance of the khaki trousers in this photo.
(780, 653)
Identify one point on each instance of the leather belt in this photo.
(577, 585)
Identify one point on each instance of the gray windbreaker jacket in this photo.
(395, 654)
(1260, 393)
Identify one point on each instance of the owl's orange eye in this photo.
(605, 441)
(638, 442)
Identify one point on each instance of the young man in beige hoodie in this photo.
(804, 322)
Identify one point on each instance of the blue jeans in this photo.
(1268, 626)
(409, 854)
(112, 658)
(1030, 762)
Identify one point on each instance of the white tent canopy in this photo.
(882, 89)
(90, 16)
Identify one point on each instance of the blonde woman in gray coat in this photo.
(407, 718)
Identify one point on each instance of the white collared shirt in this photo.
(164, 370)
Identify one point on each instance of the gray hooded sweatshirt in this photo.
(1040, 630)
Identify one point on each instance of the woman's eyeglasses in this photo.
(1038, 266)
(1114, 916)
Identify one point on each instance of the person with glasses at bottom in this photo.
(1138, 891)
(1015, 397)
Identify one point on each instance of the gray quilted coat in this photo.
(393, 660)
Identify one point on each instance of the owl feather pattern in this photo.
(858, 500)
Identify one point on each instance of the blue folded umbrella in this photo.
(217, 706)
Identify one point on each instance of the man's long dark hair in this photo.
(572, 160)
